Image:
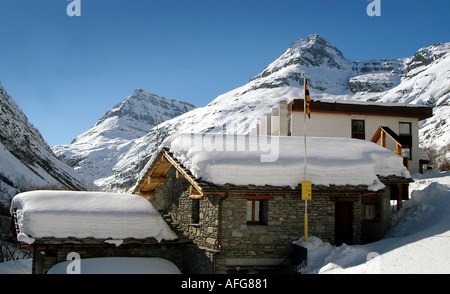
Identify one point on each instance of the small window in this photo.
(406, 153)
(405, 128)
(195, 211)
(358, 129)
(256, 214)
(371, 209)
(405, 135)
(371, 213)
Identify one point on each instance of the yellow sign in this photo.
(306, 190)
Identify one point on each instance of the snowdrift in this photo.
(417, 243)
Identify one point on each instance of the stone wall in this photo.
(264, 246)
(43, 260)
(172, 200)
(223, 241)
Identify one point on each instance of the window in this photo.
(371, 209)
(195, 211)
(256, 212)
(405, 128)
(358, 129)
(406, 153)
(405, 135)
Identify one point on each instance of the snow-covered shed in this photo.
(238, 197)
(93, 224)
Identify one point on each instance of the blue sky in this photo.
(66, 72)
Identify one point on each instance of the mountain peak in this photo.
(310, 56)
(310, 40)
(134, 116)
(316, 45)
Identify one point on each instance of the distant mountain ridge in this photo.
(419, 79)
(95, 152)
(26, 160)
(135, 116)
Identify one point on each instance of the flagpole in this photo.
(157, 131)
(304, 133)
(304, 162)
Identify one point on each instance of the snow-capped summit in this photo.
(133, 117)
(95, 152)
(308, 57)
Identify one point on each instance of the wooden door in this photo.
(343, 223)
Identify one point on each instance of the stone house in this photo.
(242, 216)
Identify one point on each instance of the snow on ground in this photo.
(22, 266)
(418, 242)
(101, 215)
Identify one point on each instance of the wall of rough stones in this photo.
(223, 237)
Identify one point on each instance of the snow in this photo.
(27, 161)
(100, 148)
(21, 266)
(418, 242)
(22, 237)
(117, 265)
(100, 215)
(278, 161)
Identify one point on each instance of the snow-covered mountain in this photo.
(26, 160)
(95, 152)
(420, 79)
(133, 117)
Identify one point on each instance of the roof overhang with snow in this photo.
(420, 112)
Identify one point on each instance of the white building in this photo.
(394, 126)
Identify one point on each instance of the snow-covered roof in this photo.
(279, 161)
(100, 215)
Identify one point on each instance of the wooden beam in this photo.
(147, 194)
(398, 149)
(400, 196)
(194, 193)
(183, 172)
(195, 196)
(156, 180)
(377, 135)
(257, 196)
(179, 175)
(383, 139)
